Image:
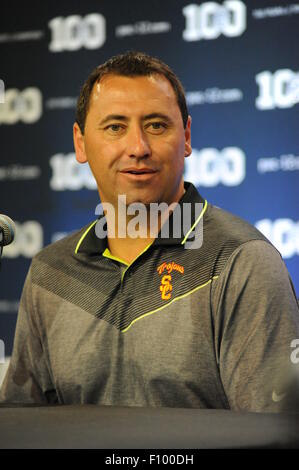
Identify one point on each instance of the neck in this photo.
(128, 249)
(128, 235)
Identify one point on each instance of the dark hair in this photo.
(130, 64)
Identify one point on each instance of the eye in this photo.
(156, 127)
(114, 129)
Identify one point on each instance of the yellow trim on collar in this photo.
(196, 222)
(108, 254)
(84, 235)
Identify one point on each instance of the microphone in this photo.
(7, 230)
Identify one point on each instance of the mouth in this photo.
(139, 174)
(138, 171)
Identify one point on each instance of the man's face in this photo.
(134, 139)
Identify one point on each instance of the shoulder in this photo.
(250, 267)
(224, 226)
(60, 253)
(225, 235)
(252, 278)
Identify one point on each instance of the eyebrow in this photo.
(120, 117)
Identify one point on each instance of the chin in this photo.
(145, 199)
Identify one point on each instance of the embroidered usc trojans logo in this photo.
(170, 267)
(166, 286)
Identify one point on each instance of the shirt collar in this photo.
(91, 244)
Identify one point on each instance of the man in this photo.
(152, 321)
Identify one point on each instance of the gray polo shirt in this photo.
(207, 327)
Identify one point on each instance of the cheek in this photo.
(172, 153)
(100, 157)
(162, 146)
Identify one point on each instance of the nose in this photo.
(137, 143)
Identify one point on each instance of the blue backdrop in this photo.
(238, 62)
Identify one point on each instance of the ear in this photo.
(79, 144)
(188, 148)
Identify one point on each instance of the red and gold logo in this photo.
(166, 286)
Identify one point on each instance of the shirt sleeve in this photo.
(256, 319)
(27, 379)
